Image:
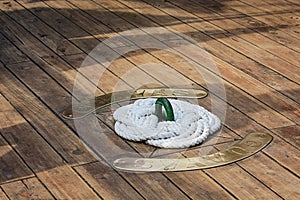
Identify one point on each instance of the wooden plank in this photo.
(62, 25)
(228, 176)
(7, 49)
(279, 6)
(42, 159)
(3, 195)
(34, 48)
(198, 185)
(45, 122)
(92, 27)
(59, 70)
(54, 65)
(293, 114)
(278, 150)
(247, 188)
(259, 12)
(42, 85)
(276, 33)
(290, 134)
(238, 26)
(270, 172)
(49, 57)
(65, 71)
(82, 19)
(256, 70)
(26, 189)
(119, 67)
(21, 36)
(36, 27)
(285, 154)
(27, 79)
(31, 50)
(107, 182)
(123, 69)
(293, 164)
(105, 17)
(279, 9)
(241, 124)
(12, 167)
(284, 5)
(287, 71)
(258, 40)
(295, 2)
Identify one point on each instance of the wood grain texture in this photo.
(284, 154)
(26, 189)
(3, 195)
(12, 167)
(238, 181)
(36, 27)
(140, 19)
(7, 49)
(290, 134)
(275, 32)
(42, 159)
(273, 175)
(281, 20)
(107, 182)
(43, 119)
(235, 74)
(254, 44)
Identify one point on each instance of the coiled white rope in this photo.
(192, 125)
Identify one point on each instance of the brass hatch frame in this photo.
(87, 107)
(246, 147)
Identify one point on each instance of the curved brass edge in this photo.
(86, 107)
(246, 147)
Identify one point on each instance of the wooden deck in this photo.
(254, 43)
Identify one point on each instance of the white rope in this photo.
(192, 124)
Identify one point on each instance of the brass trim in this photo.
(86, 107)
(251, 144)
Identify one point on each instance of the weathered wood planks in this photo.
(26, 189)
(254, 45)
(41, 158)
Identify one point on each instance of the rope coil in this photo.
(191, 123)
